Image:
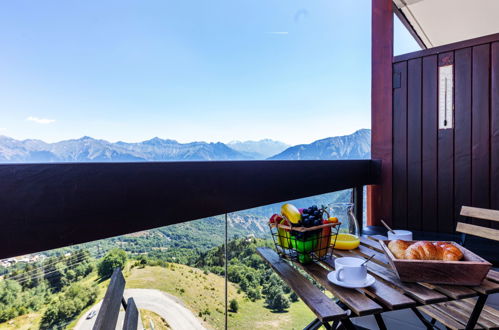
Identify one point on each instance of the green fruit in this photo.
(304, 247)
(304, 258)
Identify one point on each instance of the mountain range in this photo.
(87, 149)
(353, 146)
(259, 149)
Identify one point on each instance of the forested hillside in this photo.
(56, 288)
(56, 291)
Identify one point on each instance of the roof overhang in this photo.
(440, 22)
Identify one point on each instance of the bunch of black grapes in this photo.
(311, 216)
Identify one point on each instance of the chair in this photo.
(455, 315)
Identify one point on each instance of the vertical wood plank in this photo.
(110, 307)
(400, 148)
(131, 316)
(380, 196)
(480, 167)
(445, 176)
(414, 116)
(462, 127)
(429, 144)
(494, 140)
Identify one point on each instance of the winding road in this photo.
(161, 303)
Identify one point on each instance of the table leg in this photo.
(380, 322)
(327, 326)
(476, 311)
(422, 318)
(347, 324)
(314, 325)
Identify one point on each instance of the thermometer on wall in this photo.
(445, 97)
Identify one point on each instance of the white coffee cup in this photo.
(350, 270)
(404, 235)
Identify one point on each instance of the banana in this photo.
(290, 212)
(283, 236)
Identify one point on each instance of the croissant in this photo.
(450, 252)
(424, 250)
(398, 248)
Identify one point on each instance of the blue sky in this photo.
(217, 70)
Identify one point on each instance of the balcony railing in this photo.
(46, 206)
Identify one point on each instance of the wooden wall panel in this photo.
(445, 175)
(414, 116)
(443, 169)
(494, 126)
(462, 127)
(429, 144)
(400, 147)
(480, 135)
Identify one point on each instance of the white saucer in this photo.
(368, 282)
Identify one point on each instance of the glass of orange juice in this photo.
(348, 234)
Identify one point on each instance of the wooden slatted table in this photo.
(386, 294)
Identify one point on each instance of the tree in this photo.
(54, 274)
(114, 258)
(142, 261)
(276, 299)
(280, 302)
(79, 256)
(32, 276)
(82, 270)
(244, 284)
(293, 296)
(234, 306)
(69, 277)
(273, 282)
(254, 294)
(10, 296)
(75, 298)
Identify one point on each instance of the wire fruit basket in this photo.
(304, 244)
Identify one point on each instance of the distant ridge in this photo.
(259, 149)
(88, 149)
(353, 146)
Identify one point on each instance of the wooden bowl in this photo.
(471, 270)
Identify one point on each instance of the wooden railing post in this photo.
(110, 307)
(131, 316)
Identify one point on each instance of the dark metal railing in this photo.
(46, 206)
